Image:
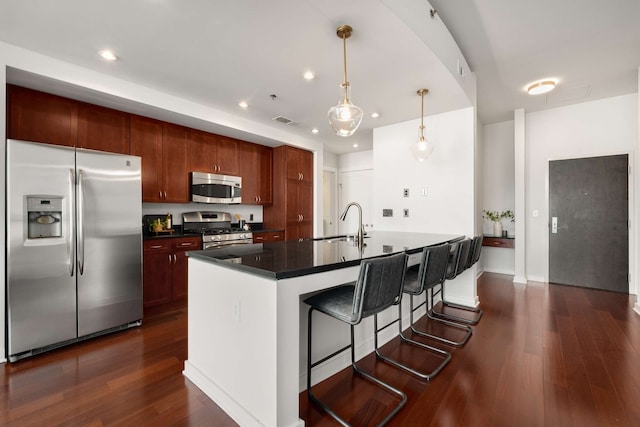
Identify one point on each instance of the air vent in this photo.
(285, 120)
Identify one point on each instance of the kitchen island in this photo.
(247, 322)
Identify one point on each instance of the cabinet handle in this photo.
(259, 238)
(159, 194)
(186, 244)
(165, 195)
(169, 258)
(175, 258)
(259, 199)
(156, 247)
(301, 176)
(276, 236)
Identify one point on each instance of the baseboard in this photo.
(222, 399)
(636, 307)
(540, 279)
(499, 271)
(520, 280)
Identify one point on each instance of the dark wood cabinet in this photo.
(102, 129)
(267, 236)
(156, 271)
(292, 207)
(165, 164)
(255, 167)
(498, 242)
(41, 117)
(165, 269)
(146, 142)
(212, 153)
(175, 163)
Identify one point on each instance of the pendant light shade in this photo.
(422, 148)
(345, 117)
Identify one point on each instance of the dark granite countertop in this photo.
(292, 258)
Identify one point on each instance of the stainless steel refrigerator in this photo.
(74, 245)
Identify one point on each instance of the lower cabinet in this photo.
(165, 269)
(267, 236)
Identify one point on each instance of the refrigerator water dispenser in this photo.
(44, 217)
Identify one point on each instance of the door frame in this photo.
(633, 289)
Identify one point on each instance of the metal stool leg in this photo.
(356, 369)
(448, 316)
(468, 330)
(424, 375)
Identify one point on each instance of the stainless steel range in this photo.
(215, 229)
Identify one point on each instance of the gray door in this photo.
(588, 222)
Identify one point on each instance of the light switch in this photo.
(535, 213)
(554, 224)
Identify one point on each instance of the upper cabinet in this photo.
(41, 117)
(169, 152)
(255, 167)
(103, 129)
(213, 153)
(165, 164)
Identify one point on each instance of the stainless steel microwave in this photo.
(212, 188)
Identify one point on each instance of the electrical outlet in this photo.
(250, 217)
(237, 311)
(425, 192)
(387, 212)
(405, 192)
(406, 213)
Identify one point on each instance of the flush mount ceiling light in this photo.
(375, 115)
(345, 117)
(108, 55)
(422, 148)
(243, 104)
(315, 130)
(541, 87)
(308, 75)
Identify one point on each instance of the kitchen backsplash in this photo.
(176, 210)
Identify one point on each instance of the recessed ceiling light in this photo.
(308, 75)
(243, 104)
(355, 145)
(108, 55)
(540, 87)
(315, 130)
(375, 115)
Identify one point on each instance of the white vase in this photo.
(497, 228)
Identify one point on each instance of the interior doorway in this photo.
(589, 222)
(355, 186)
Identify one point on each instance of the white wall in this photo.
(604, 127)
(498, 191)
(3, 114)
(448, 175)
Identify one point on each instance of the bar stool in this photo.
(457, 264)
(432, 270)
(474, 252)
(415, 287)
(379, 286)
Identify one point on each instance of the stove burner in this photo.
(215, 229)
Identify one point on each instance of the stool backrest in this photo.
(458, 258)
(476, 247)
(379, 284)
(433, 266)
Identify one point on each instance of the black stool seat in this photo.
(378, 287)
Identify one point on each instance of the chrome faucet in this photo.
(360, 235)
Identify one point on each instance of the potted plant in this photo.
(496, 217)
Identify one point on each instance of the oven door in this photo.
(218, 245)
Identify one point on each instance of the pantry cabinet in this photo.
(292, 207)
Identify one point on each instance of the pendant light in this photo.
(422, 148)
(345, 117)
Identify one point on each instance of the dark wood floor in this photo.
(542, 355)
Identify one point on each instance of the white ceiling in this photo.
(591, 46)
(218, 52)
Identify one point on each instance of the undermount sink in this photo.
(333, 239)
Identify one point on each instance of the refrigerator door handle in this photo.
(80, 227)
(72, 257)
